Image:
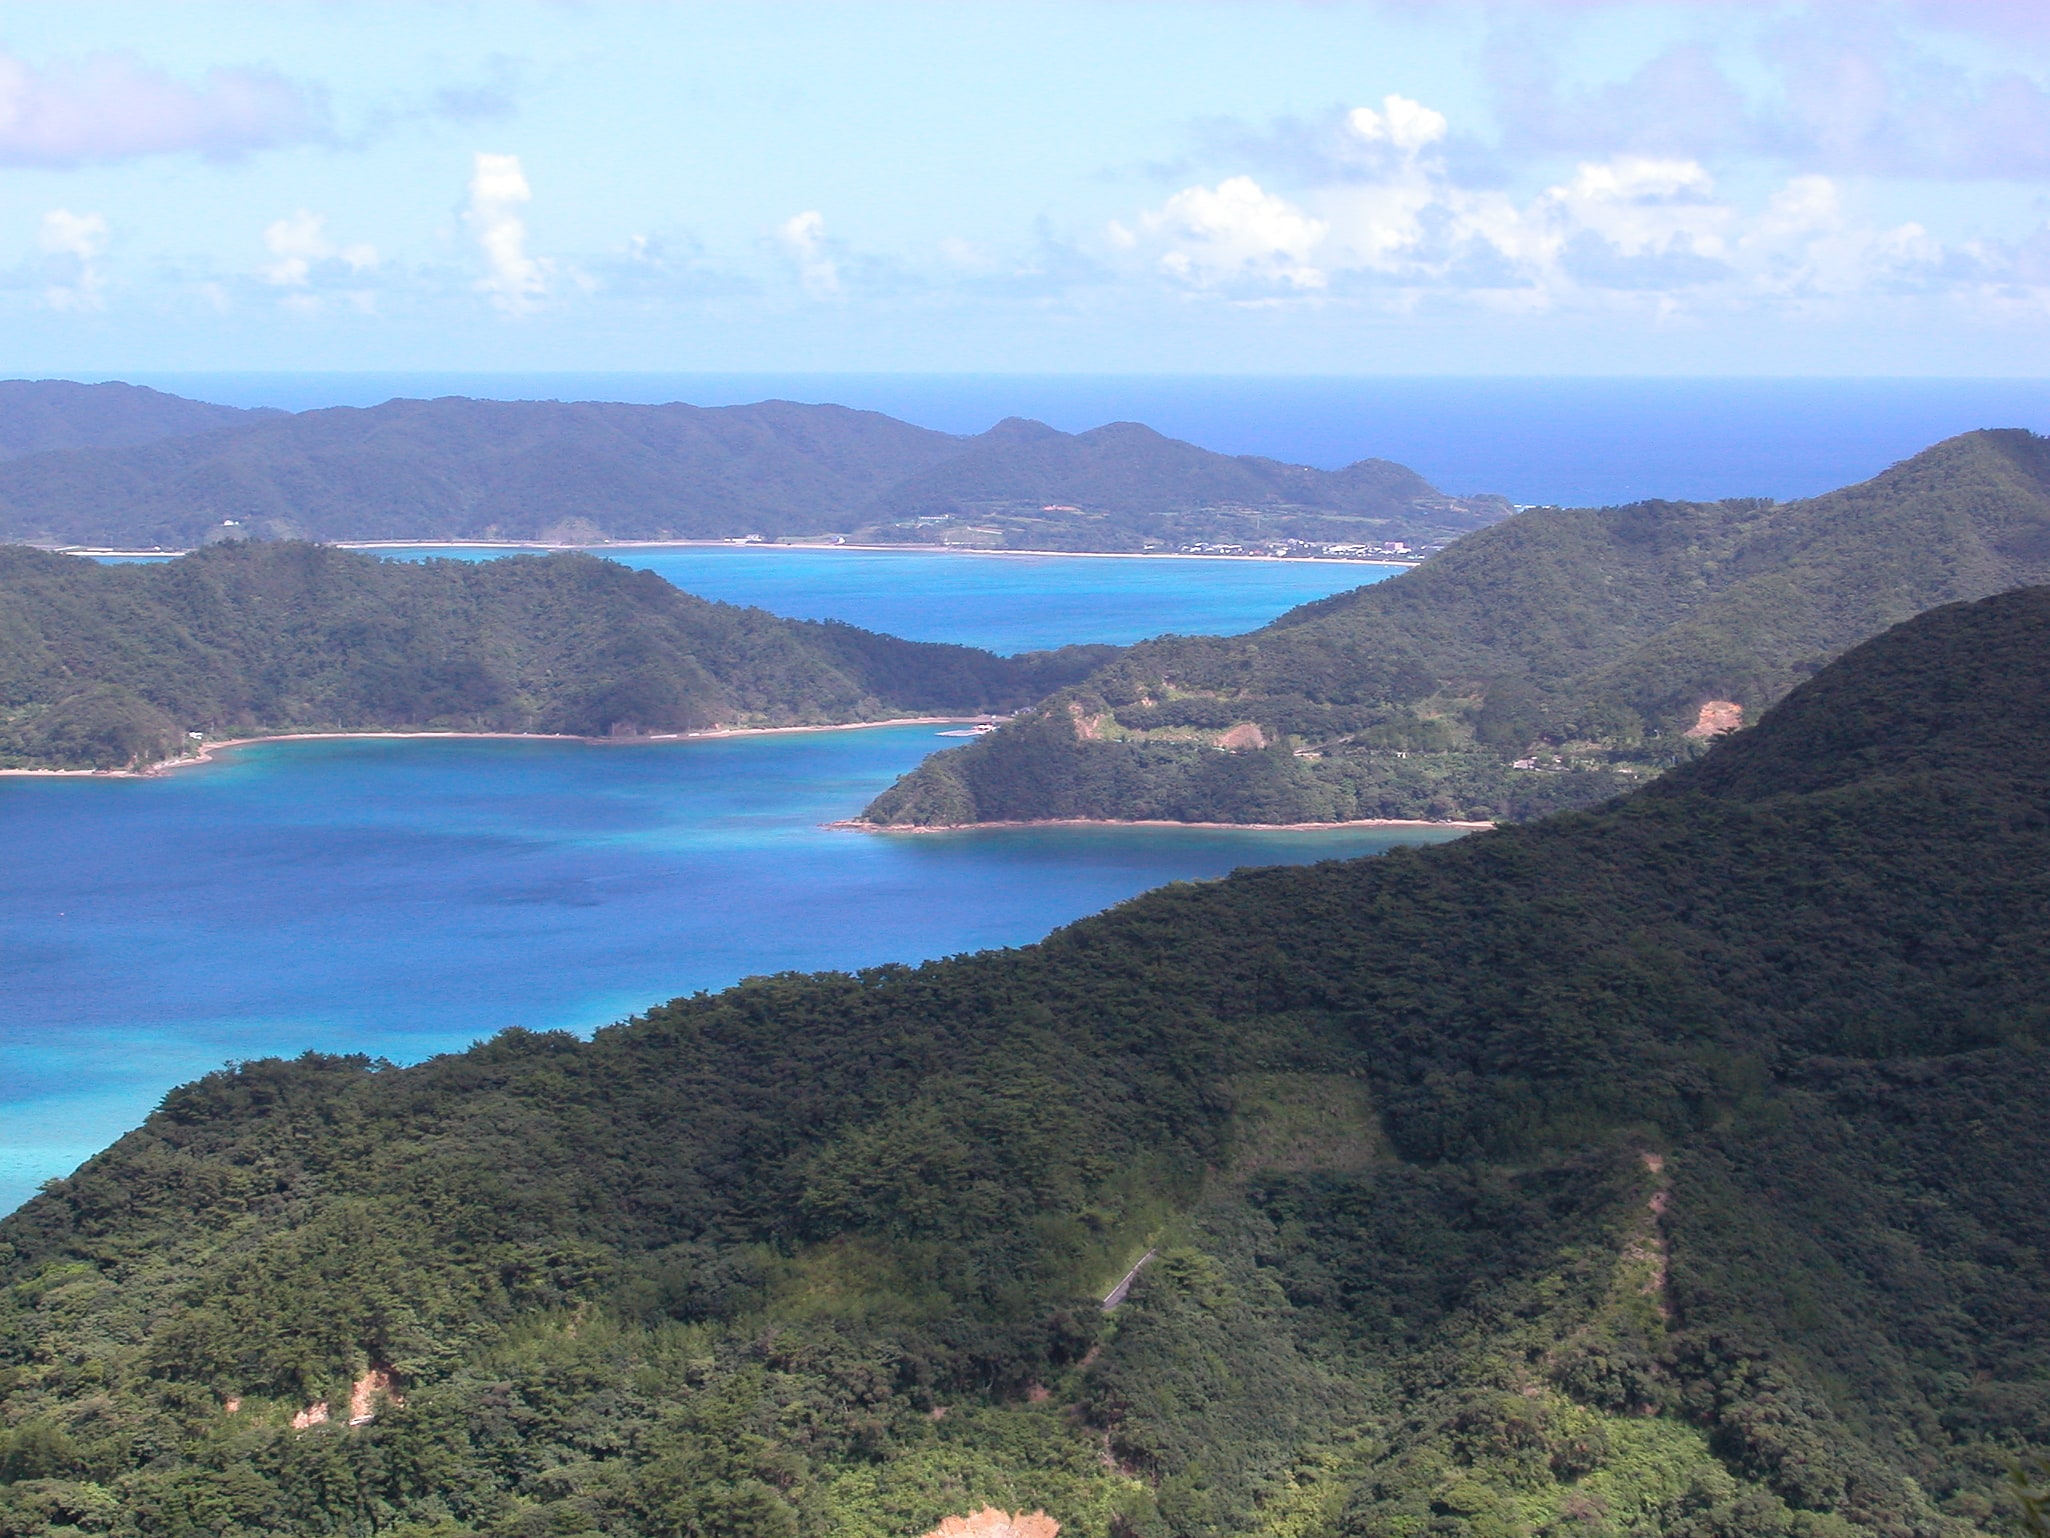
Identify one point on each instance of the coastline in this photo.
(855, 825)
(207, 752)
(732, 544)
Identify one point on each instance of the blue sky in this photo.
(1853, 188)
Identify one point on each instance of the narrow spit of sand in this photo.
(857, 826)
(206, 753)
(729, 544)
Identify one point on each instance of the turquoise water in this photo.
(405, 898)
(1007, 603)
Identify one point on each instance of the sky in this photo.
(1524, 187)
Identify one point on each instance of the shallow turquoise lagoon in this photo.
(1008, 603)
(405, 898)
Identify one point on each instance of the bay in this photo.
(402, 898)
(1003, 602)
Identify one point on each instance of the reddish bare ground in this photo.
(1717, 716)
(1655, 1243)
(1246, 734)
(312, 1415)
(367, 1392)
(991, 1523)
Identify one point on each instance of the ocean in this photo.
(1574, 442)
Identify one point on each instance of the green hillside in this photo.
(1583, 643)
(578, 472)
(109, 666)
(1671, 1169)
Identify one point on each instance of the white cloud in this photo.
(804, 237)
(1639, 207)
(1806, 245)
(112, 107)
(300, 242)
(1653, 231)
(1234, 233)
(1406, 124)
(514, 281)
(72, 244)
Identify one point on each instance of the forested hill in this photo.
(1672, 1169)
(578, 472)
(112, 666)
(38, 415)
(1593, 647)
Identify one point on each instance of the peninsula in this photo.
(117, 667)
(1550, 661)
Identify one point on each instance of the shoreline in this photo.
(855, 825)
(206, 753)
(93, 553)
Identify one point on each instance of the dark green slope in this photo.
(1586, 642)
(577, 472)
(1670, 1169)
(41, 415)
(106, 666)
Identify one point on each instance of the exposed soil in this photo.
(992, 1523)
(370, 1391)
(1717, 717)
(1088, 728)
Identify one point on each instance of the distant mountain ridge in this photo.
(1552, 660)
(38, 416)
(110, 667)
(1020, 471)
(578, 472)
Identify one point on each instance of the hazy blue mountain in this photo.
(38, 415)
(576, 472)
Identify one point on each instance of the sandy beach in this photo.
(857, 826)
(207, 753)
(732, 544)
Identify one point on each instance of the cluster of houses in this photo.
(1389, 550)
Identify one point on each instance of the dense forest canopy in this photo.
(113, 666)
(581, 471)
(1549, 661)
(1669, 1169)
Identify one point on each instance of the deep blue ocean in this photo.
(1575, 442)
(406, 897)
